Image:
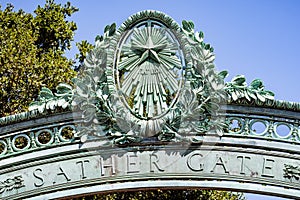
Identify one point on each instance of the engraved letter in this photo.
(62, 173)
(155, 163)
(38, 176)
(196, 158)
(243, 159)
(82, 168)
(267, 167)
(111, 165)
(132, 166)
(220, 162)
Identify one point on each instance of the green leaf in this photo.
(223, 74)
(257, 84)
(207, 46)
(201, 34)
(198, 37)
(112, 29)
(46, 93)
(107, 27)
(89, 111)
(51, 104)
(188, 26)
(239, 80)
(251, 94)
(260, 97)
(267, 94)
(234, 95)
(63, 88)
(247, 96)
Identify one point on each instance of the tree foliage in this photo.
(84, 47)
(32, 53)
(194, 194)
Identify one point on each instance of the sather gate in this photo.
(150, 111)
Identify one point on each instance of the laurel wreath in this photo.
(194, 114)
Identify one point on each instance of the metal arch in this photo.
(33, 163)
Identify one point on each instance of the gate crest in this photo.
(149, 78)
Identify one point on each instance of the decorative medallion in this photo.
(149, 71)
(150, 78)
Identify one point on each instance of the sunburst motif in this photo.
(147, 63)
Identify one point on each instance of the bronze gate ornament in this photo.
(150, 110)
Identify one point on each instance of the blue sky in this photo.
(257, 38)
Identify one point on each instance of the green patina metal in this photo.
(167, 73)
(150, 93)
(171, 93)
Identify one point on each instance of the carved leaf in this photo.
(247, 96)
(257, 84)
(102, 117)
(98, 74)
(260, 97)
(109, 30)
(223, 74)
(188, 25)
(239, 80)
(78, 100)
(251, 94)
(268, 94)
(199, 36)
(51, 104)
(234, 95)
(63, 89)
(46, 94)
(82, 89)
(62, 103)
(89, 111)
